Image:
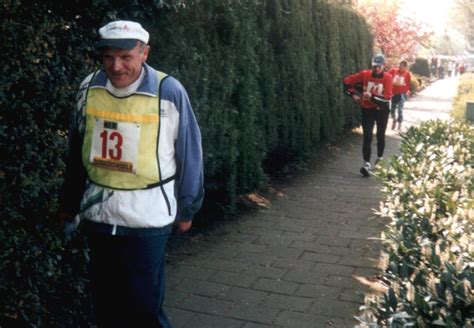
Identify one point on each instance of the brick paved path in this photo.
(304, 260)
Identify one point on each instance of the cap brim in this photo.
(117, 43)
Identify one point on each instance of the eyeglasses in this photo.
(376, 66)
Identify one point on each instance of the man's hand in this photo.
(366, 95)
(65, 217)
(356, 99)
(182, 226)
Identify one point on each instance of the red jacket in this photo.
(379, 86)
(401, 81)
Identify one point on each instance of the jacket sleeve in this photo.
(189, 158)
(353, 84)
(75, 175)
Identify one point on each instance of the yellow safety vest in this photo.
(120, 148)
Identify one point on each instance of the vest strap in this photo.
(162, 182)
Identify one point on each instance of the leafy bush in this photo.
(429, 253)
(415, 84)
(421, 67)
(465, 93)
(418, 83)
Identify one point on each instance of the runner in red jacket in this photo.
(374, 99)
(401, 87)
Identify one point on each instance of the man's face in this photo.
(402, 68)
(377, 69)
(122, 66)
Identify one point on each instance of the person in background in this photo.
(134, 172)
(450, 69)
(401, 80)
(434, 67)
(375, 106)
(441, 71)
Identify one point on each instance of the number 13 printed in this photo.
(113, 148)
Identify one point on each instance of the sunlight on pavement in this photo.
(435, 102)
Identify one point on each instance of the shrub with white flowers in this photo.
(429, 242)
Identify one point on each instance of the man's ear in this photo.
(146, 51)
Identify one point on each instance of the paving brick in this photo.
(292, 319)
(241, 237)
(275, 238)
(233, 279)
(335, 308)
(334, 269)
(316, 291)
(276, 286)
(252, 248)
(226, 250)
(225, 265)
(200, 287)
(265, 271)
(310, 224)
(290, 264)
(174, 297)
(249, 259)
(190, 271)
(179, 317)
(210, 305)
(287, 253)
(259, 325)
(288, 226)
(285, 302)
(257, 314)
(318, 257)
(330, 241)
(335, 250)
(304, 235)
(305, 276)
(302, 213)
(325, 229)
(214, 321)
(244, 295)
(306, 246)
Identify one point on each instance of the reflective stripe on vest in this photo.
(120, 148)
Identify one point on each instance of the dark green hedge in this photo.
(263, 76)
(421, 67)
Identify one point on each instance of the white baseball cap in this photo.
(122, 35)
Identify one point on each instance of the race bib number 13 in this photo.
(115, 145)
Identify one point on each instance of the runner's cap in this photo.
(122, 35)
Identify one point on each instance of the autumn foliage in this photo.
(395, 35)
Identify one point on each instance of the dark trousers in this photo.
(128, 280)
(398, 103)
(370, 117)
